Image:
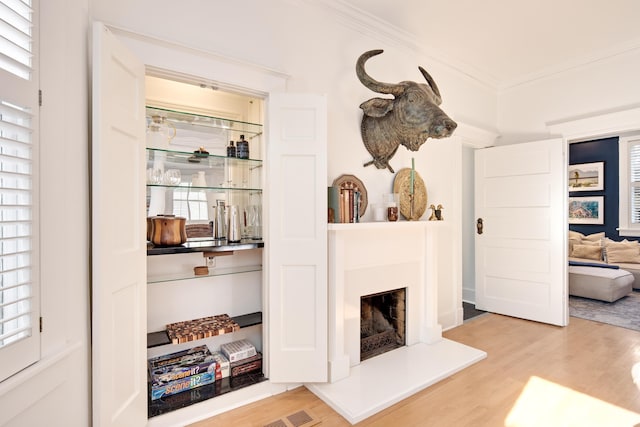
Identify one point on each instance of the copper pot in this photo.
(166, 230)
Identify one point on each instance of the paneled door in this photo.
(118, 247)
(521, 229)
(296, 240)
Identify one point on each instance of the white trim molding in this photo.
(600, 124)
(475, 137)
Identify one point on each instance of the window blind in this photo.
(17, 156)
(16, 37)
(634, 176)
(15, 222)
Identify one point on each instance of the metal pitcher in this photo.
(219, 223)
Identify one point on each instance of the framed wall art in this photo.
(586, 177)
(586, 210)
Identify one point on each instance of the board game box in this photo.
(159, 390)
(182, 370)
(181, 364)
(222, 365)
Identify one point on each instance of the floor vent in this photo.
(301, 418)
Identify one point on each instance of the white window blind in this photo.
(19, 307)
(634, 184)
(15, 37)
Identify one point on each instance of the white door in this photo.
(118, 235)
(521, 198)
(296, 239)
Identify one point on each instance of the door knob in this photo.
(479, 225)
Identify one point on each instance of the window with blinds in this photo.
(19, 307)
(634, 175)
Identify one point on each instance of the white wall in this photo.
(55, 391)
(601, 86)
(468, 226)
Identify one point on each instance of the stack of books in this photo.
(344, 205)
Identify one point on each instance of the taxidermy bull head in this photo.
(408, 119)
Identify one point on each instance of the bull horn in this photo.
(374, 85)
(432, 83)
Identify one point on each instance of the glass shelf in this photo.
(197, 161)
(186, 188)
(181, 119)
(212, 272)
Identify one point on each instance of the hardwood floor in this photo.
(534, 375)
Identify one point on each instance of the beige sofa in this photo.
(587, 279)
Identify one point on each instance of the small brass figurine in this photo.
(432, 217)
(436, 213)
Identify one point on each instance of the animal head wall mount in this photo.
(410, 118)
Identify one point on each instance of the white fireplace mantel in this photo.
(367, 258)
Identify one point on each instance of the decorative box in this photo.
(244, 366)
(238, 350)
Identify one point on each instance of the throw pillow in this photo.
(575, 235)
(573, 242)
(591, 243)
(595, 237)
(608, 244)
(623, 253)
(593, 252)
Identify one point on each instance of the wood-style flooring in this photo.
(534, 375)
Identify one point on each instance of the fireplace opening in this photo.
(382, 322)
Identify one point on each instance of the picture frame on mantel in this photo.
(586, 177)
(586, 210)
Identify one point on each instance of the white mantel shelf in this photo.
(371, 257)
(380, 225)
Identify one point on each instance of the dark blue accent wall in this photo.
(601, 150)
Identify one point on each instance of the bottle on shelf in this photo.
(231, 150)
(242, 148)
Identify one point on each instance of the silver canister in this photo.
(219, 223)
(234, 225)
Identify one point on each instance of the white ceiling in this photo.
(506, 42)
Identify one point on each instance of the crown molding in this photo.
(369, 25)
(372, 26)
(574, 63)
